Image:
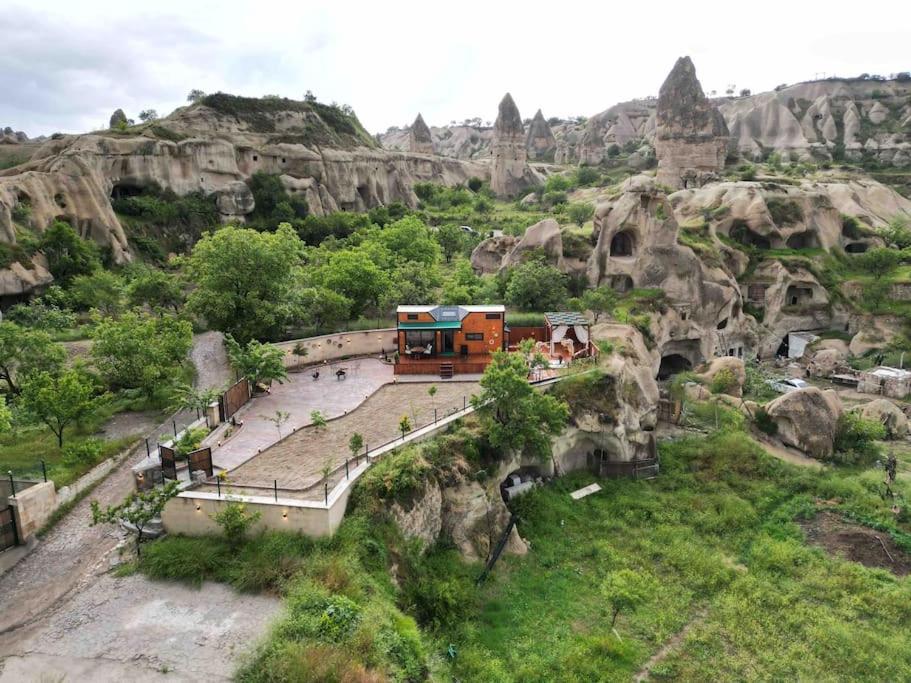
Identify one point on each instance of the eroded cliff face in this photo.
(73, 177)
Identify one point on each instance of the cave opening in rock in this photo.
(741, 233)
(673, 364)
(364, 192)
(797, 295)
(721, 325)
(520, 481)
(621, 283)
(856, 248)
(802, 240)
(125, 190)
(622, 244)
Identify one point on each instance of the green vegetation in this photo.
(259, 363)
(536, 286)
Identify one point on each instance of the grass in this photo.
(715, 536)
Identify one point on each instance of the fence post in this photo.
(12, 484)
(44, 470)
(275, 488)
(326, 492)
(346, 468)
(434, 416)
(174, 422)
(218, 485)
(148, 450)
(464, 403)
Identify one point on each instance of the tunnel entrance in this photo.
(802, 240)
(673, 364)
(856, 248)
(740, 232)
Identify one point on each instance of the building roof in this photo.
(451, 312)
(435, 325)
(566, 318)
(889, 373)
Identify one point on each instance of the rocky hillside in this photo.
(321, 153)
(833, 119)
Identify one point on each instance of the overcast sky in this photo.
(65, 66)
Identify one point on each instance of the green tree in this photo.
(317, 420)
(322, 308)
(880, 261)
(68, 255)
(625, 589)
(24, 351)
(244, 280)
(259, 363)
(517, 417)
(279, 418)
(5, 416)
(451, 240)
(600, 301)
(581, 212)
(101, 290)
(536, 286)
(355, 444)
(137, 510)
(138, 351)
(148, 115)
(187, 397)
(405, 425)
(58, 400)
(354, 275)
(236, 521)
(408, 239)
(156, 289)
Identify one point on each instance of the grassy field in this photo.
(734, 590)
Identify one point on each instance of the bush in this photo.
(557, 183)
(723, 381)
(784, 211)
(855, 438)
(82, 454)
(613, 151)
(765, 423)
(189, 441)
(586, 175)
(580, 213)
(235, 521)
(747, 172)
(475, 183)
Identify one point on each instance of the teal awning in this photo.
(438, 325)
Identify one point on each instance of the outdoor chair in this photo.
(315, 375)
(428, 350)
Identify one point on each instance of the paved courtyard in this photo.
(298, 461)
(299, 396)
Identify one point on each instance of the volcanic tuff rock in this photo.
(118, 119)
(506, 251)
(419, 138)
(690, 133)
(887, 414)
(807, 419)
(510, 173)
(540, 142)
(213, 147)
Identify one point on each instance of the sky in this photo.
(66, 66)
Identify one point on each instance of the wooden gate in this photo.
(8, 534)
(200, 459)
(168, 462)
(235, 397)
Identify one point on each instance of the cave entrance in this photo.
(796, 295)
(856, 247)
(802, 240)
(673, 364)
(741, 233)
(622, 244)
(520, 481)
(125, 190)
(621, 283)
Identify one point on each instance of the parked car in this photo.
(467, 228)
(785, 385)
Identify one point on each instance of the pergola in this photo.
(566, 326)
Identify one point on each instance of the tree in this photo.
(58, 400)
(355, 444)
(101, 290)
(405, 425)
(354, 275)
(408, 239)
(517, 417)
(235, 521)
(745, 92)
(244, 280)
(195, 95)
(187, 397)
(5, 416)
(278, 419)
(600, 301)
(259, 363)
(68, 255)
(138, 509)
(301, 352)
(624, 590)
(148, 115)
(536, 286)
(451, 239)
(580, 212)
(317, 421)
(138, 351)
(156, 289)
(23, 352)
(432, 393)
(880, 261)
(322, 308)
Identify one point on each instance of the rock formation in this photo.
(510, 173)
(496, 253)
(540, 144)
(887, 414)
(419, 138)
(807, 419)
(690, 133)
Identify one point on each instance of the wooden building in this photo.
(448, 340)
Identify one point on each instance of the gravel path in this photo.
(211, 361)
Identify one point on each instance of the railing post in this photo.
(275, 488)
(464, 402)
(148, 450)
(12, 484)
(44, 470)
(174, 422)
(326, 492)
(434, 416)
(218, 485)
(346, 468)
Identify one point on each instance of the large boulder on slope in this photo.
(807, 419)
(886, 413)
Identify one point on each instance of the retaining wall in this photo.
(34, 506)
(330, 347)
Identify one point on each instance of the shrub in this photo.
(765, 423)
(613, 150)
(586, 175)
(784, 211)
(475, 183)
(855, 438)
(557, 183)
(579, 213)
(82, 454)
(235, 521)
(723, 381)
(189, 441)
(747, 172)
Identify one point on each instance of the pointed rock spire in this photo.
(509, 173)
(540, 143)
(419, 138)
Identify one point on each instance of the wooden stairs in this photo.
(446, 370)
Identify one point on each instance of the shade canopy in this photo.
(432, 325)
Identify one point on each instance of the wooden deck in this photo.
(461, 365)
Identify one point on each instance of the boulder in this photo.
(235, 200)
(729, 364)
(887, 413)
(807, 419)
(488, 256)
(824, 362)
(475, 518)
(544, 236)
